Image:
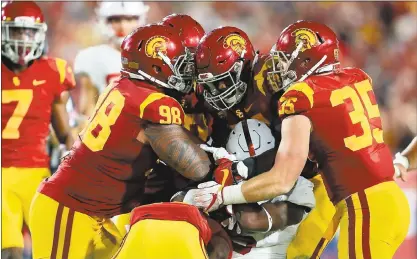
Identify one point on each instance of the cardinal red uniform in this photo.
(27, 100)
(103, 175)
(347, 141)
(259, 102)
(157, 225)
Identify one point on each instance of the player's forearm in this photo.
(277, 181)
(63, 133)
(175, 147)
(60, 121)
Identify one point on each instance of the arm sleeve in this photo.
(260, 164)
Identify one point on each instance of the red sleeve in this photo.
(66, 76)
(161, 109)
(298, 99)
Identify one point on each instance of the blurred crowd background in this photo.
(379, 37)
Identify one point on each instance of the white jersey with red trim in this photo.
(101, 63)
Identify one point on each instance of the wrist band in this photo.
(402, 160)
(233, 195)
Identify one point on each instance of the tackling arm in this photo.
(289, 162)
(60, 120)
(176, 147)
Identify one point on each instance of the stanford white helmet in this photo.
(257, 140)
(107, 10)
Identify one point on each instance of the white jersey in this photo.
(274, 244)
(101, 63)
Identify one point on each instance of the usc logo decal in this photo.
(307, 36)
(236, 42)
(154, 45)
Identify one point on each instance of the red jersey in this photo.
(347, 139)
(105, 172)
(27, 99)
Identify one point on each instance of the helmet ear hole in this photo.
(156, 69)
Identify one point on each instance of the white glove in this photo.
(208, 196)
(189, 197)
(218, 153)
(401, 172)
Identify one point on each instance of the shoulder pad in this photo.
(161, 109)
(297, 99)
(64, 71)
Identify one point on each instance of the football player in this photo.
(263, 229)
(240, 85)
(95, 67)
(104, 175)
(406, 160)
(334, 108)
(34, 93)
(163, 182)
(172, 230)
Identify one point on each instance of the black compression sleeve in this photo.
(260, 164)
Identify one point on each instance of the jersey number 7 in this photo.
(23, 97)
(358, 115)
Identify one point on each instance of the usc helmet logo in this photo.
(236, 42)
(154, 45)
(307, 36)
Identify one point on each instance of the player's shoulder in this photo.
(357, 72)
(300, 90)
(152, 104)
(53, 63)
(57, 68)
